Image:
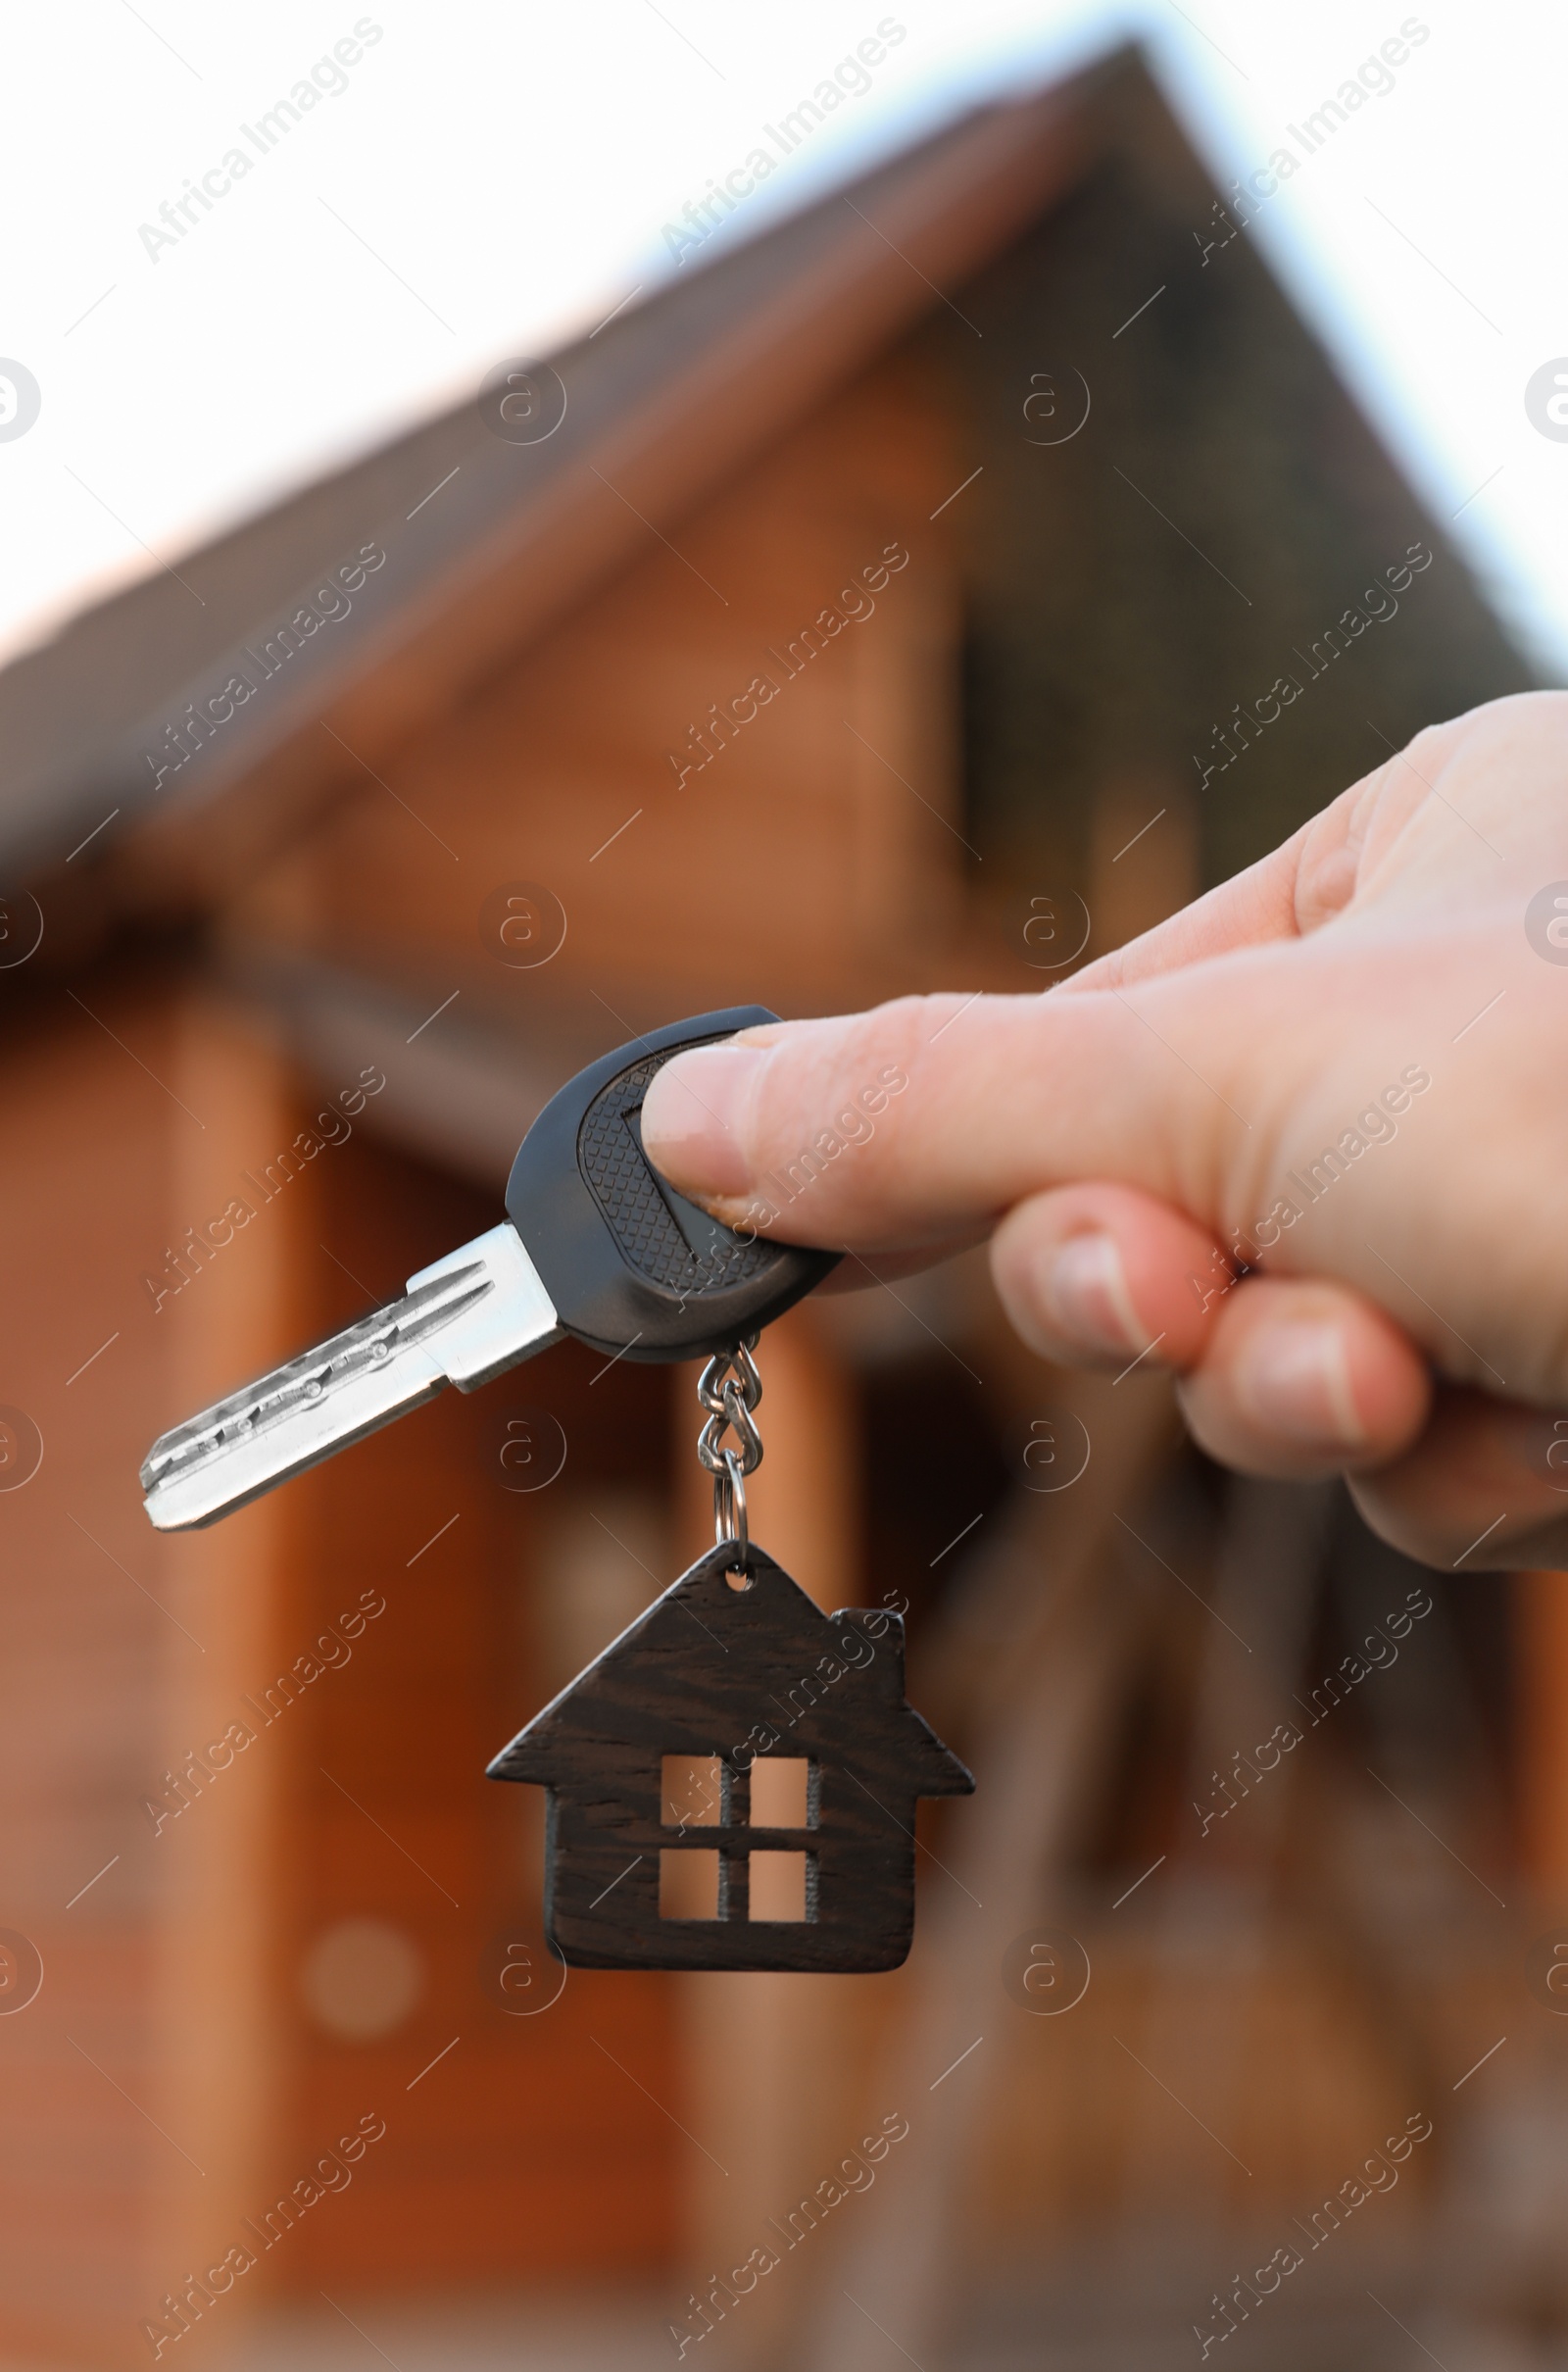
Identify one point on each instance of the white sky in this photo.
(495, 177)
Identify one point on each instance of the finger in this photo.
(1302, 1379)
(932, 1115)
(1313, 876)
(1295, 889)
(1098, 1275)
(1477, 1491)
(1250, 907)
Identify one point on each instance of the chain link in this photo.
(729, 1389)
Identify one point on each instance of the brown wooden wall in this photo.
(138, 2080)
(169, 2083)
(812, 862)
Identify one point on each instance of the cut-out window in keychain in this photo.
(732, 1784)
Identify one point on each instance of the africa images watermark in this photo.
(1375, 1125)
(328, 604)
(856, 2171)
(1378, 2172)
(851, 78)
(703, 1803)
(855, 1125)
(1331, 1690)
(1374, 78)
(703, 1799)
(722, 726)
(1379, 607)
(181, 2308)
(181, 1789)
(854, 1625)
(326, 80)
(199, 1247)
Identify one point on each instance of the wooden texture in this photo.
(711, 1670)
(139, 2089)
(826, 818)
(1541, 1619)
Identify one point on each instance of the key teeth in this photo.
(401, 1325)
(468, 1316)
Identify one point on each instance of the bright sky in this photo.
(492, 178)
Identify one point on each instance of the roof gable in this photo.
(707, 1669)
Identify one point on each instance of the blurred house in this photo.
(931, 593)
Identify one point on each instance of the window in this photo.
(691, 1789)
(778, 1885)
(688, 1884)
(696, 1793)
(781, 1793)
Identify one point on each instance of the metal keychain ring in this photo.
(730, 1526)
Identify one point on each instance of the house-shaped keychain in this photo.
(733, 1783)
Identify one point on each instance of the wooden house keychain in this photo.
(805, 1831)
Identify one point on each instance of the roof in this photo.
(707, 1669)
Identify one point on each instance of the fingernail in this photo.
(697, 1114)
(1087, 1298)
(1296, 1380)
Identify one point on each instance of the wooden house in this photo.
(791, 1729)
(905, 598)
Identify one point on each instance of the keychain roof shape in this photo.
(733, 1784)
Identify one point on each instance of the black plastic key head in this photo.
(631, 1266)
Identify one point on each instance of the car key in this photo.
(594, 1244)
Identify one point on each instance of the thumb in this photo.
(930, 1117)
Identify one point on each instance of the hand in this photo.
(1306, 1144)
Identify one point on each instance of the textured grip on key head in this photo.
(640, 1211)
(632, 1267)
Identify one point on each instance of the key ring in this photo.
(729, 1389)
(730, 1527)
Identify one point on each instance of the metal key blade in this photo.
(463, 1321)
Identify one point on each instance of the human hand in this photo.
(1306, 1144)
